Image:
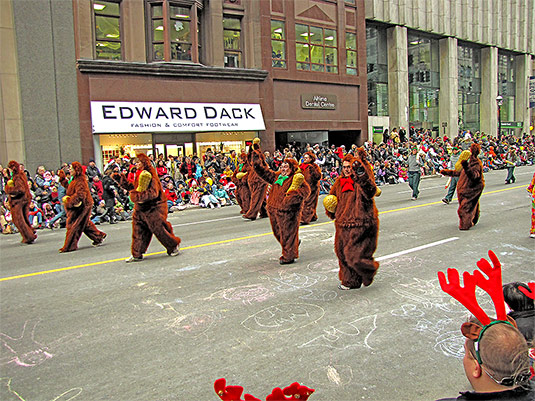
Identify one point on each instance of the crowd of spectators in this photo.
(205, 181)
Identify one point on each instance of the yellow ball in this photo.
(330, 202)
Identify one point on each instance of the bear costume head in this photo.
(77, 168)
(294, 167)
(312, 156)
(14, 166)
(147, 164)
(475, 149)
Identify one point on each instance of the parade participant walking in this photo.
(19, 198)
(239, 178)
(150, 210)
(531, 190)
(452, 180)
(510, 163)
(288, 193)
(312, 173)
(356, 221)
(258, 189)
(78, 204)
(415, 163)
(469, 187)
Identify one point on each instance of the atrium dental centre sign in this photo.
(124, 117)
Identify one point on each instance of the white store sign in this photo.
(125, 117)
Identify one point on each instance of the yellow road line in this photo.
(227, 240)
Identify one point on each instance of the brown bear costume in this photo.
(150, 212)
(243, 194)
(78, 204)
(356, 222)
(19, 198)
(258, 189)
(312, 173)
(469, 188)
(284, 205)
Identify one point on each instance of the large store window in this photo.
(377, 66)
(351, 53)
(424, 82)
(174, 30)
(278, 44)
(107, 30)
(469, 73)
(232, 42)
(316, 49)
(506, 86)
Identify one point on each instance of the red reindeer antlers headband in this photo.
(233, 393)
(467, 295)
(528, 293)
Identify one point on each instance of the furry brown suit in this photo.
(284, 207)
(243, 194)
(312, 173)
(150, 212)
(356, 222)
(258, 188)
(19, 202)
(78, 204)
(469, 188)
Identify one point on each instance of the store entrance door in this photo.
(168, 150)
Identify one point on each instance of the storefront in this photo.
(172, 129)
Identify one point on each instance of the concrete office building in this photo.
(86, 79)
(451, 65)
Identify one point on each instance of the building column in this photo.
(488, 110)
(449, 88)
(398, 83)
(522, 74)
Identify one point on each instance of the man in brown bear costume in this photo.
(258, 188)
(239, 178)
(285, 202)
(312, 173)
(356, 222)
(469, 187)
(78, 204)
(19, 202)
(150, 211)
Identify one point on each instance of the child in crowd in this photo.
(35, 215)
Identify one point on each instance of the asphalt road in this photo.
(87, 326)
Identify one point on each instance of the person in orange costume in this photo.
(469, 187)
(243, 194)
(356, 222)
(258, 189)
(150, 212)
(285, 203)
(78, 204)
(19, 198)
(312, 173)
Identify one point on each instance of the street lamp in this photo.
(499, 102)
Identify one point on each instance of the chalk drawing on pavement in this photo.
(26, 351)
(346, 335)
(247, 294)
(7, 393)
(283, 317)
(331, 375)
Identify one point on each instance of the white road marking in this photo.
(416, 249)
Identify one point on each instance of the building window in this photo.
(232, 42)
(107, 30)
(315, 49)
(376, 58)
(506, 86)
(172, 32)
(278, 44)
(351, 53)
(469, 92)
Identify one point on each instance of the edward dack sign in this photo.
(122, 117)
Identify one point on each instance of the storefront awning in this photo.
(126, 117)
